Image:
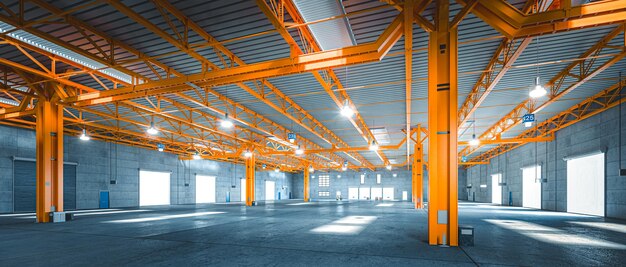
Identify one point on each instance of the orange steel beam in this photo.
(108, 61)
(417, 172)
(505, 56)
(235, 107)
(250, 180)
(49, 133)
(327, 79)
(140, 139)
(581, 70)
(306, 120)
(369, 52)
(250, 135)
(408, 69)
(513, 23)
(600, 102)
(350, 149)
(442, 126)
(510, 141)
(306, 185)
(473, 163)
(417, 17)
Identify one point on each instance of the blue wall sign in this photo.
(528, 118)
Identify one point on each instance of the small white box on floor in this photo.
(57, 217)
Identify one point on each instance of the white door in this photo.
(496, 189)
(243, 190)
(364, 193)
(405, 196)
(388, 193)
(154, 188)
(585, 185)
(205, 189)
(377, 193)
(531, 187)
(353, 193)
(270, 190)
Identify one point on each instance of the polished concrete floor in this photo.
(291, 233)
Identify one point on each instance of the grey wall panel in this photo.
(69, 187)
(24, 186)
(99, 163)
(25, 176)
(598, 132)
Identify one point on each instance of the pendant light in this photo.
(196, 156)
(152, 130)
(346, 109)
(226, 122)
(84, 135)
(247, 153)
(538, 90)
(474, 142)
(299, 150)
(374, 145)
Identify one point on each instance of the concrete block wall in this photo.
(600, 132)
(350, 178)
(101, 162)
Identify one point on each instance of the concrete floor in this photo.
(289, 233)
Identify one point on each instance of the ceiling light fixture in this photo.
(84, 136)
(538, 90)
(345, 166)
(152, 130)
(311, 169)
(277, 169)
(474, 141)
(373, 146)
(226, 122)
(196, 156)
(160, 147)
(299, 150)
(247, 153)
(346, 110)
(388, 166)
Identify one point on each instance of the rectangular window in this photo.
(377, 178)
(323, 193)
(324, 180)
(362, 178)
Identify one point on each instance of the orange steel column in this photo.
(250, 171)
(306, 185)
(442, 130)
(418, 171)
(49, 132)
